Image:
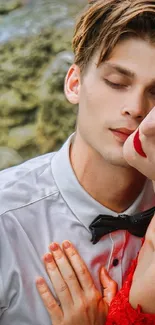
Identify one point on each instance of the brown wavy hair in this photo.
(106, 22)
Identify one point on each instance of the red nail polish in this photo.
(53, 246)
(48, 258)
(66, 244)
(40, 281)
(138, 146)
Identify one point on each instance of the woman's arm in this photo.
(121, 310)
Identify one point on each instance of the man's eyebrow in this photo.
(120, 69)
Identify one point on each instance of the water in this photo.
(29, 19)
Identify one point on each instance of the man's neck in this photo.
(113, 186)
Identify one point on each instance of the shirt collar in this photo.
(85, 208)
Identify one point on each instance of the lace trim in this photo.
(122, 313)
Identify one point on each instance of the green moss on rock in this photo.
(35, 54)
(10, 5)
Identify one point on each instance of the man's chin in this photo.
(118, 161)
(122, 164)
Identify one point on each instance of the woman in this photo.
(80, 302)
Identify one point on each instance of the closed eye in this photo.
(152, 92)
(115, 85)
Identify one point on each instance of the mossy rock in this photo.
(9, 157)
(10, 5)
(35, 53)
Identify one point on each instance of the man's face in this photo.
(115, 97)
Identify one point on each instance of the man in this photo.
(58, 195)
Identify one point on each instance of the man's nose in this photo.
(136, 107)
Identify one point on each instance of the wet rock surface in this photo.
(35, 53)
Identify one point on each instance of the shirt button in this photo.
(115, 262)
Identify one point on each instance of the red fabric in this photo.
(122, 313)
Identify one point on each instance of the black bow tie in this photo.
(136, 224)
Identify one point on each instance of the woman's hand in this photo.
(80, 302)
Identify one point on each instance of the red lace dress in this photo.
(122, 313)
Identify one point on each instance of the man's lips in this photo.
(122, 133)
(138, 146)
(125, 131)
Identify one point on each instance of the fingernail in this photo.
(66, 244)
(40, 281)
(53, 246)
(48, 258)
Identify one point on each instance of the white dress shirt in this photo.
(42, 201)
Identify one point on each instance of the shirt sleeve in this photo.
(7, 262)
(121, 312)
(2, 249)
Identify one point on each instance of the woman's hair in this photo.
(104, 23)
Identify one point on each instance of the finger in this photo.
(60, 286)
(147, 127)
(109, 286)
(50, 303)
(66, 271)
(79, 267)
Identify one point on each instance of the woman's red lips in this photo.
(138, 146)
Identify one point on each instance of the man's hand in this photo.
(80, 302)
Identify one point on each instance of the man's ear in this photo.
(72, 84)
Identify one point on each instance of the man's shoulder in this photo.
(26, 183)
